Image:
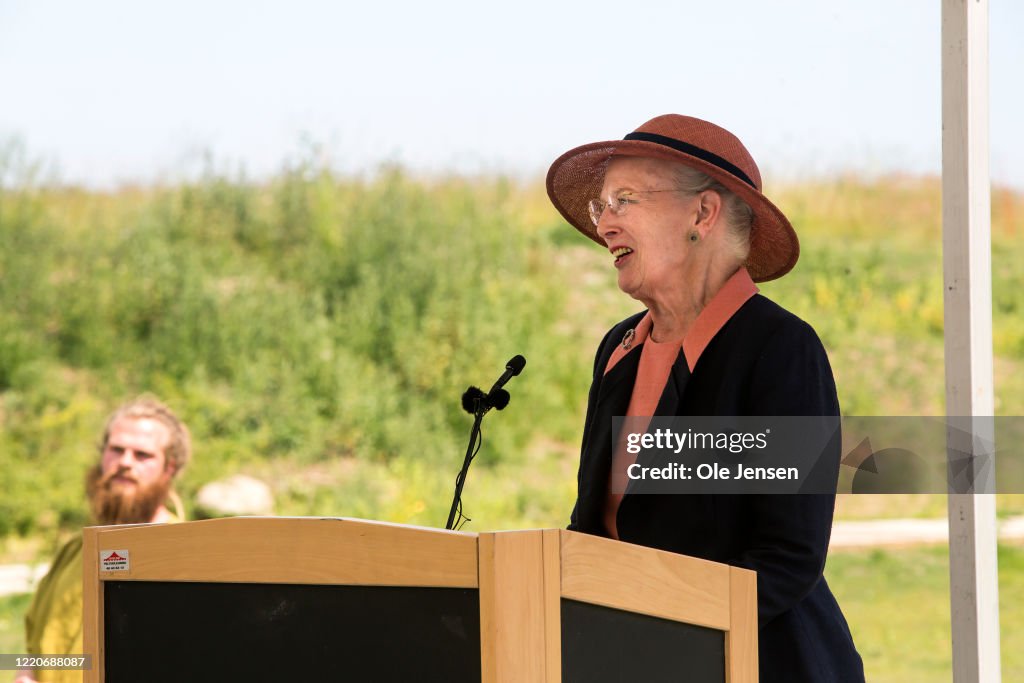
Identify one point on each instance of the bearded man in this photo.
(145, 446)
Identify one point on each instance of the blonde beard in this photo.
(112, 503)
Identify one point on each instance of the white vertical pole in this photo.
(966, 240)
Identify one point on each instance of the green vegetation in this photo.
(312, 328)
(12, 625)
(317, 331)
(897, 605)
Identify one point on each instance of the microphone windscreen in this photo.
(516, 365)
(499, 399)
(470, 399)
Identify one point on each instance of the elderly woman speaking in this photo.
(678, 205)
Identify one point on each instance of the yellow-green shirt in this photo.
(53, 622)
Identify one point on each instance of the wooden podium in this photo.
(268, 599)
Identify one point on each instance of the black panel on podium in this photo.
(605, 645)
(164, 632)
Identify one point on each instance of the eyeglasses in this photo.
(617, 203)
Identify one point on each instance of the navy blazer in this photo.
(763, 361)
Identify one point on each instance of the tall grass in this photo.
(318, 330)
(312, 319)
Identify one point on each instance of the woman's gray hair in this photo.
(738, 214)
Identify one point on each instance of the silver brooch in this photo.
(627, 339)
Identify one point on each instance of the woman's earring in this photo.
(694, 236)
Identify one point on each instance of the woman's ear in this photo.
(709, 209)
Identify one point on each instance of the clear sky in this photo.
(115, 91)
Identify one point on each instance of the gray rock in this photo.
(236, 495)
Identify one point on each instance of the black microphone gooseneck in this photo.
(475, 401)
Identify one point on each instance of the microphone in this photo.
(512, 368)
(477, 403)
(498, 398)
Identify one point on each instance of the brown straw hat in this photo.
(576, 177)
